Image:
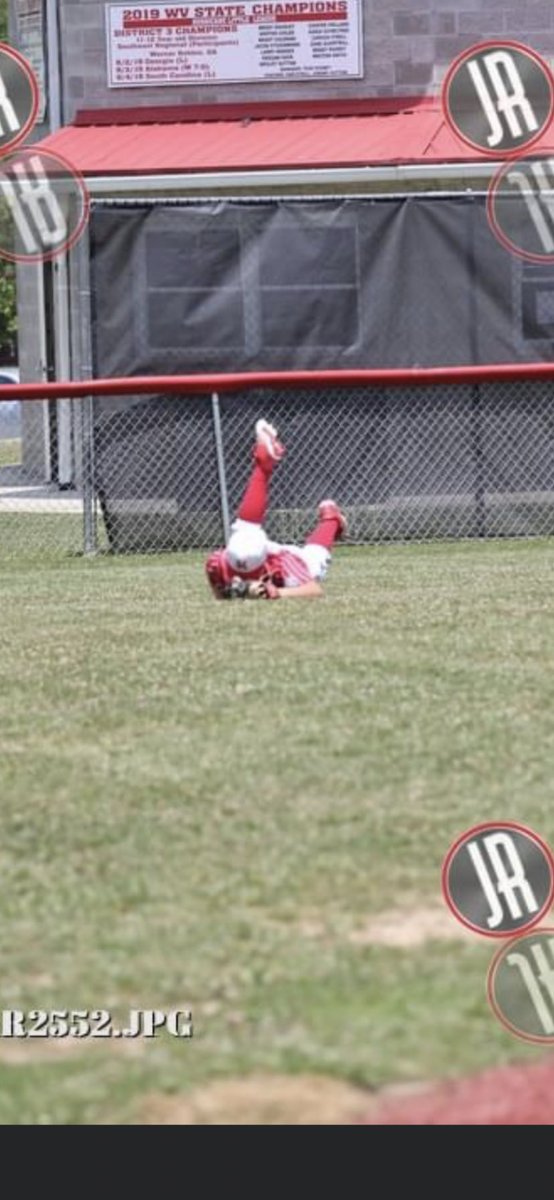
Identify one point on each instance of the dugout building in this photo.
(274, 187)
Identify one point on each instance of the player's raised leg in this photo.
(316, 552)
(268, 451)
(331, 526)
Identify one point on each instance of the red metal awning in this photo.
(261, 137)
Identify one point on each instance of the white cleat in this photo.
(266, 437)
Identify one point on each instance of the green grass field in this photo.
(210, 806)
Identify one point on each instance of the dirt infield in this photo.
(517, 1095)
(261, 1100)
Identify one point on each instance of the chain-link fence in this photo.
(41, 504)
(166, 472)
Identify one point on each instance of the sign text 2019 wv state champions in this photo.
(257, 40)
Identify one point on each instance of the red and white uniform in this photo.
(286, 566)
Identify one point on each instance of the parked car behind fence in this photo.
(10, 410)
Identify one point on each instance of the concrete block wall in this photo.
(407, 46)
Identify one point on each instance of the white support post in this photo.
(63, 370)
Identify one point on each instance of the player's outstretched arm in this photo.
(306, 591)
(265, 589)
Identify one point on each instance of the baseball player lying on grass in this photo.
(251, 566)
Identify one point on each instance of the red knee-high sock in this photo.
(253, 505)
(324, 534)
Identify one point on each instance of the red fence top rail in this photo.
(135, 385)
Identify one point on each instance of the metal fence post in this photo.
(220, 455)
(90, 527)
(479, 460)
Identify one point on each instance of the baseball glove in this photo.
(257, 589)
(263, 589)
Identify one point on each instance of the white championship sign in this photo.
(233, 43)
